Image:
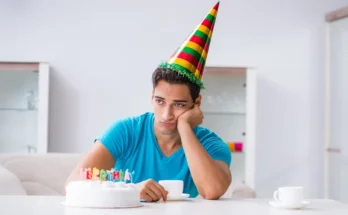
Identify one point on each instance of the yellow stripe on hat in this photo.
(197, 48)
(213, 12)
(204, 29)
(183, 63)
(204, 55)
(198, 74)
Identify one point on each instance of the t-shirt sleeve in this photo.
(115, 138)
(215, 146)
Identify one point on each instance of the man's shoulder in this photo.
(203, 134)
(139, 118)
(202, 130)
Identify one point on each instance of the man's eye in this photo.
(179, 105)
(159, 101)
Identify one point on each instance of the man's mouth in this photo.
(167, 124)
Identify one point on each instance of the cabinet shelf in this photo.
(223, 113)
(17, 109)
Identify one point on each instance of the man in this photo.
(169, 143)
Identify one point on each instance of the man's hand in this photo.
(193, 117)
(151, 191)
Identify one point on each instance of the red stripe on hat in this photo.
(189, 58)
(199, 68)
(207, 23)
(216, 7)
(206, 46)
(199, 41)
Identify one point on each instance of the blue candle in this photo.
(110, 176)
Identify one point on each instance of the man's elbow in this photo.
(212, 195)
(214, 192)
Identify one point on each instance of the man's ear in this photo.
(198, 100)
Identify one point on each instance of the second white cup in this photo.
(289, 196)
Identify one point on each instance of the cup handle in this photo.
(276, 195)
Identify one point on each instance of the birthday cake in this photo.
(104, 190)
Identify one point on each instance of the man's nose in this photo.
(168, 113)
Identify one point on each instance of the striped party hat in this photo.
(189, 58)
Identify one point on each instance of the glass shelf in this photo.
(17, 109)
(223, 113)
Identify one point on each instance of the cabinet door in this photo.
(23, 107)
(337, 145)
(18, 111)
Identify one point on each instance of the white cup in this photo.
(174, 187)
(289, 196)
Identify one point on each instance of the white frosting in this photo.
(101, 194)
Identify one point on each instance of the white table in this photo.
(44, 205)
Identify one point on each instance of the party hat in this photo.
(190, 57)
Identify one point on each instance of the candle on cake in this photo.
(131, 176)
(103, 175)
(83, 173)
(95, 174)
(116, 175)
(121, 175)
(89, 174)
(126, 176)
(110, 175)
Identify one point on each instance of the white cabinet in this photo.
(24, 96)
(336, 147)
(228, 104)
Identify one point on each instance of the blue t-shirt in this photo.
(133, 144)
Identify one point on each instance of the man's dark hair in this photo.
(173, 77)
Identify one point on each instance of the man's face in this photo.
(169, 102)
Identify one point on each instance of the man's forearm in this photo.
(211, 180)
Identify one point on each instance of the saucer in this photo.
(75, 206)
(279, 204)
(176, 198)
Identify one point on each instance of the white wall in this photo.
(103, 52)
